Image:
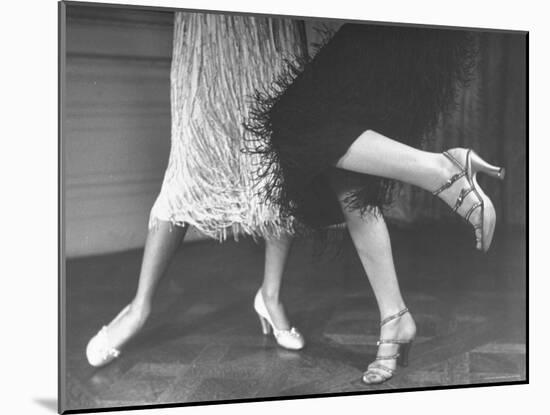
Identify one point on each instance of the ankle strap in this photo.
(393, 317)
(454, 160)
(454, 178)
(449, 182)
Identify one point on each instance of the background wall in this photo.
(491, 118)
(117, 130)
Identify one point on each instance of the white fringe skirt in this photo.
(218, 62)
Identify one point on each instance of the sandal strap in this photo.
(455, 177)
(460, 199)
(449, 182)
(454, 160)
(391, 341)
(387, 357)
(471, 210)
(394, 316)
(381, 367)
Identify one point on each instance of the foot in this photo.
(463, 195)
(273, 318)
(104, 346)
(276, 311)
(401, 329)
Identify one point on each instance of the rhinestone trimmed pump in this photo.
(483, 228)
(289, 339)
(376, 372)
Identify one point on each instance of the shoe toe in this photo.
(372, 379)
(94, 352)
(291, 344)
(98, 351)
(291, 339)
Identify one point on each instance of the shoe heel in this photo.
(404, 349)
(480, 165)
(266, 327)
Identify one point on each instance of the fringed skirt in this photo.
(218, 62)
(394, 80)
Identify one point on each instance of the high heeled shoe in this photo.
(99, 351)
(376, 372)
(473, 164)
(289, 339)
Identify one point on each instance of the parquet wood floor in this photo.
(203, 341)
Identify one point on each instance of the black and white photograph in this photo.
(258, 207)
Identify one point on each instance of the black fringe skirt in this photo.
(394, 80)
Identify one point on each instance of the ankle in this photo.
(437, 169)
(445, 166)
(271, 297)
(393, 309)
(442, 170)
(140, 310)
(403, 326)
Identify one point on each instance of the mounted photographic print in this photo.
(257, 207)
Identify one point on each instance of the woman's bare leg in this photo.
(372, 242)
(161, 244)
(375, 154)
(276, 254)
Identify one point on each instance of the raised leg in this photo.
(378, 155)
(450, 175)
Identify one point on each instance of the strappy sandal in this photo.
(376, 372)
(485, 227)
